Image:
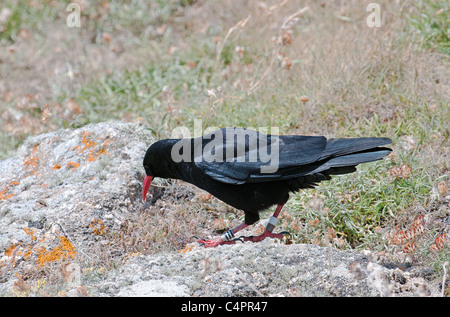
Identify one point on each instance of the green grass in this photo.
(149, 93)
(24, 15)
(432, 23)
(9, 144)
(357, 204)
(138, 17)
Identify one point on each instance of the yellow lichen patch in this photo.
(65, 250)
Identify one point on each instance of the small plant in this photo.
(407, 237)
(422, 241)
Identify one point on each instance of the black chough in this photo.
(253, 171)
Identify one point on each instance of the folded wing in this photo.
(238, 156)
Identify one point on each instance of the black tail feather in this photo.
(358, 158)
(341, 147)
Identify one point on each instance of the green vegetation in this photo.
(432, 22)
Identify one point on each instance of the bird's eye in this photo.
(148, 171)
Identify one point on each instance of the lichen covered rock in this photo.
(58, 184)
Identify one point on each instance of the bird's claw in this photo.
(215, 243)
(285, 233)
(267, 234)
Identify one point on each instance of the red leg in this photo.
(274, 219)
(227, 237)
(269, 228)
(265, 234)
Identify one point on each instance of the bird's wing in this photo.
(237, 156)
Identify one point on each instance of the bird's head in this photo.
(158, 163)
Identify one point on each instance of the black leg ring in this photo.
(227, 236)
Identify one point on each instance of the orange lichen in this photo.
(91, 147)
(98, 226)
(87, 143)
(94, 155)
(205, 197)
(4, 194)
(56, 167)
(73, 165)
(187, 248)
(31, 162)
(10, 250)
(30, 232)
(65, 250)
(27, 253)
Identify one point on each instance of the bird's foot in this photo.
(267, 234)
(216, 242)
(226, 238)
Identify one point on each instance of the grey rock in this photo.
(48, 187)
(268, 268)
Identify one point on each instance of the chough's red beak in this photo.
(146, 187)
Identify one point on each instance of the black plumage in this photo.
(252, 171)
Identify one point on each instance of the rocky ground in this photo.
(266, 269)
(72, 223)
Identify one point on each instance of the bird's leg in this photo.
(269, 228)
(274, 219)
(226, 238)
